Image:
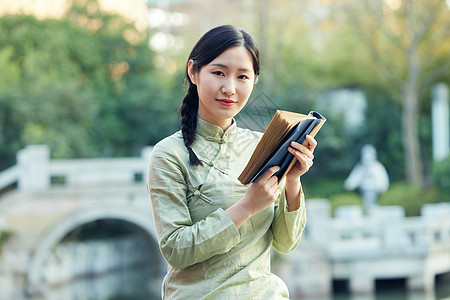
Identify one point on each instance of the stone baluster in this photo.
(33, 163)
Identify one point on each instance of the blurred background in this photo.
(88, 86)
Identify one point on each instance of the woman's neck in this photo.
(224, 124)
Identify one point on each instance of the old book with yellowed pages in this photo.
(271, 150)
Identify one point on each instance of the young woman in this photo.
(215, 233)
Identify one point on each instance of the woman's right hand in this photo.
(259, 195)
(262, 192)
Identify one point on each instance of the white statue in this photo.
(370, 176)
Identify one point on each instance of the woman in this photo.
(214, 232)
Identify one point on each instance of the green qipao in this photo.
(208, 257)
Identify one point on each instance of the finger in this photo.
(312, 143)
(269, 173)
(272, 182)
(299, 148)
(304, 160)
(276, 192)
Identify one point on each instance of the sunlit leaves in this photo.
(83, 90)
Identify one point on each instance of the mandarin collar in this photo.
(214, 133)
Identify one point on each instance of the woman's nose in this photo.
(229, 87)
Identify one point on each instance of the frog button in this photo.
(197, 192)
(211, 164)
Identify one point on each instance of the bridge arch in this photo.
(136, 215)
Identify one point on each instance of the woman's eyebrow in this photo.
(226, 67)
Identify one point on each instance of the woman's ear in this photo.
(192, 74)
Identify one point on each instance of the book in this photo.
(272, 149)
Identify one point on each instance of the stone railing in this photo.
(361, 248)
(385, 232)
(35, 171)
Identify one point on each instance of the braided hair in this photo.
(188, 110)
(208, 47)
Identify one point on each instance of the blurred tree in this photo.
(45, 100)
(393, 50)
(441, 177)
(9, 92)
(409, 47)
(86, 85)
(308, 56)
(138, 102)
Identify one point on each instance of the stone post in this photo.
(33, 163)
(361, 281)
(317, 228)
(440, 121)
(145, 156)
(2, 222)
(423, 282)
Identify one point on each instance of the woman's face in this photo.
(224, 85)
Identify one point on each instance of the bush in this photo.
(322, 188)
(5, 235)
(441, 176)
(347, 198)
(410, 197)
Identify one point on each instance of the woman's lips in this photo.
(226, 102)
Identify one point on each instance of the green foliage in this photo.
(85, 85)
(5, 235)
(410, 197)
(347, 198)
(383, 130)
(337, 151)
(302, 68)
(441, 176)
(360, 44)
(88, 85)
(321, 187)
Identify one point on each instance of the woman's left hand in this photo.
(304, 156)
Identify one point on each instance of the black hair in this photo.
(208, 47)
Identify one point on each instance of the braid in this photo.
(189, 110)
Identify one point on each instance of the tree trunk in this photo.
(410, 119)
(410, 138)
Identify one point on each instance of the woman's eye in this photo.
(243, 77)
(218, 73)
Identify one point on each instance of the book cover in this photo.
(271, 150)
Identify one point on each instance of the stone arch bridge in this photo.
(42, 201)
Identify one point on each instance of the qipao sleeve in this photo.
(182, 242)
(287, 227)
